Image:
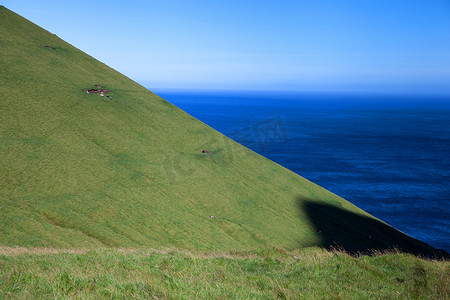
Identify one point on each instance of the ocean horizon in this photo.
(389, 154)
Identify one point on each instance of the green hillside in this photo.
(81, 170)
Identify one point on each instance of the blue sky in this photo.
(320, 45)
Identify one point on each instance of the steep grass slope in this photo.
(81, 170)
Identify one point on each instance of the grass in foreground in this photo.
(266, 273)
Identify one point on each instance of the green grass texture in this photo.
(257, 274)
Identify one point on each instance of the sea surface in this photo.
(387, 154)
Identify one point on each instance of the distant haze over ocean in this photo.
(387, 154)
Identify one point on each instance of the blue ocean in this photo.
(387, 154)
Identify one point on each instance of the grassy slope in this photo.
(261, 274)
(80, 170)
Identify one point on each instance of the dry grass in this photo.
(11, 251)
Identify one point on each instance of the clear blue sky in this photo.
(325, 45)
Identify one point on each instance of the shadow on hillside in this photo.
(358, 234)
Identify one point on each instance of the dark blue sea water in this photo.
(389, 155)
